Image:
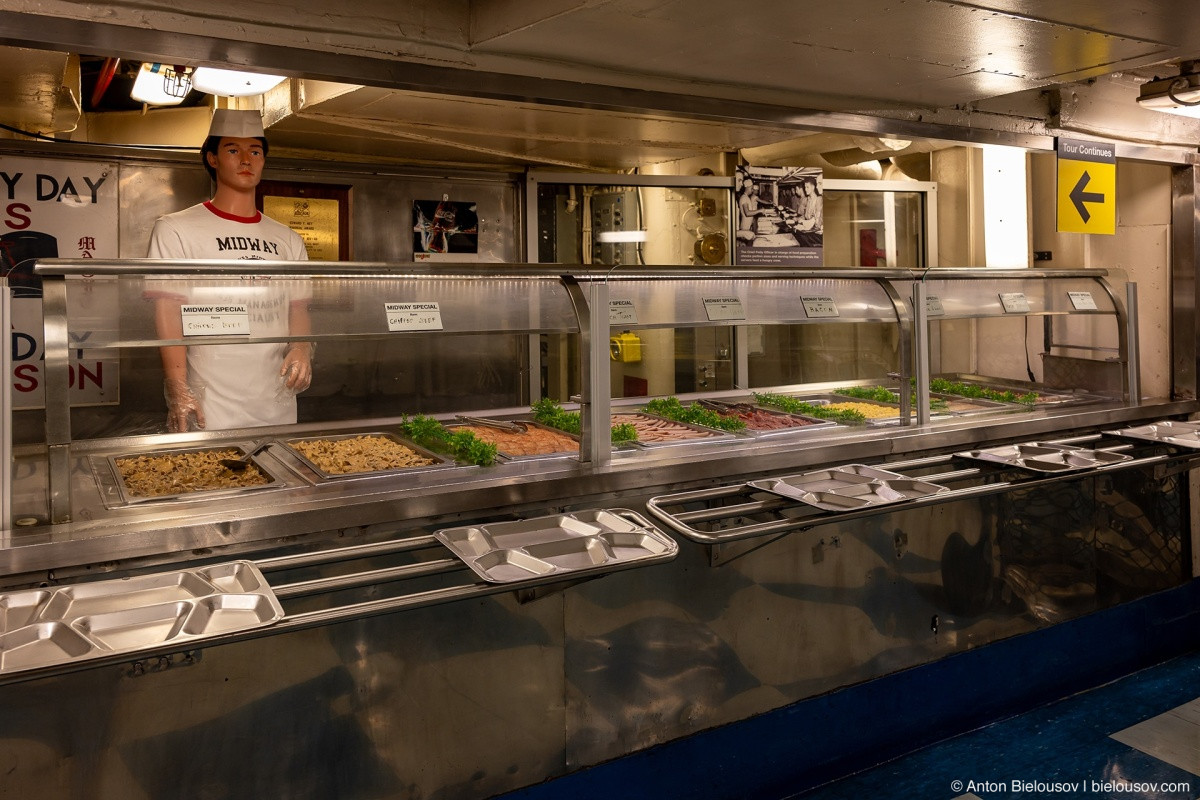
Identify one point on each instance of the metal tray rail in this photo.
(439, 462)
(723, 514)
(82, 622)
(116, 494)
(567, 544)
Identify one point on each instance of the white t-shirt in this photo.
(238, 385)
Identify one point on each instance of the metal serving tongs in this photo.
(239, 464)
(498, 424)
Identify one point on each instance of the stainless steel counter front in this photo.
(113, 538)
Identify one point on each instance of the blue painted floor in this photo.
(1063, 750)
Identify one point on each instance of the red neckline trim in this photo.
(232, 217)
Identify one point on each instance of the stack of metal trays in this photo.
(181, 474)
(48, 627)
(1183, 434)
(358, 455)
(566, 545)
(848, 487)
(1045, 457)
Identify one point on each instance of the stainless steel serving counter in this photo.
(110, 538)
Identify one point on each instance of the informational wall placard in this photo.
(314, 218)
(59, 209)
(425, 316)
(621, 312)
(819, 306)
(780, 216)
(722, 308)
(1014, 302)
(933, 306)
(1087, 186)
(1082, 301)
(215, 320)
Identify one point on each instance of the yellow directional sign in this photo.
(1087, 187)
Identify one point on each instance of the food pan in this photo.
(239, 450)
(126, 616)
(1044, 457)
(505, 436)
(436, 461)
(848, 487)
(684, 432)
(791, 423)
(1183, 434)
(560, 544)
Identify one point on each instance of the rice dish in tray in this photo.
(355, 454)
(180, 473)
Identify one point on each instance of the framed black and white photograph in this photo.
(780, 216)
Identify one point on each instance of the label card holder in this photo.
(723, 308)
(1014, 302)
(621, 313)
(1082, 301)
(215, 320)
(413, 317)
(819, 306)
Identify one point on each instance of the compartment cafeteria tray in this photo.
(436, 461)
(1184, 434)
(56, 625)
(190, 463)
(684, 432)
(1044, 457)
(847, 487)
(570, 544)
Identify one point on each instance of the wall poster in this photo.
(445, 230)
(59, 209)
(780, 216)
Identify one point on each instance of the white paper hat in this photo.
(236, 124)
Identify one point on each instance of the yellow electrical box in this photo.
(626, 347)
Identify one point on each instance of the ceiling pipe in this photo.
(107, 71)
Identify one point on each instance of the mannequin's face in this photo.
(238, 162)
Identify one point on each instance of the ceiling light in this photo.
(1178, 95)
(160, 85)
(231, 83)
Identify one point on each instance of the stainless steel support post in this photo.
(920, 347)
(595, 403)
(1133, 348)
(58, 401)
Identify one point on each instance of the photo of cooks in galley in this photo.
(779, 215)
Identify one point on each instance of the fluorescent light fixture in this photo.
(1179, 95)
(231, 83)
(622, 236)
(159, 85)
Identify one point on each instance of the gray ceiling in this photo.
(614, 84)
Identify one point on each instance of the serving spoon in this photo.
(239, 464)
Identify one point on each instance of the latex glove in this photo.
(296, 371)
(182, 406)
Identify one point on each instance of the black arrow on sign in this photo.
(1079, 196)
